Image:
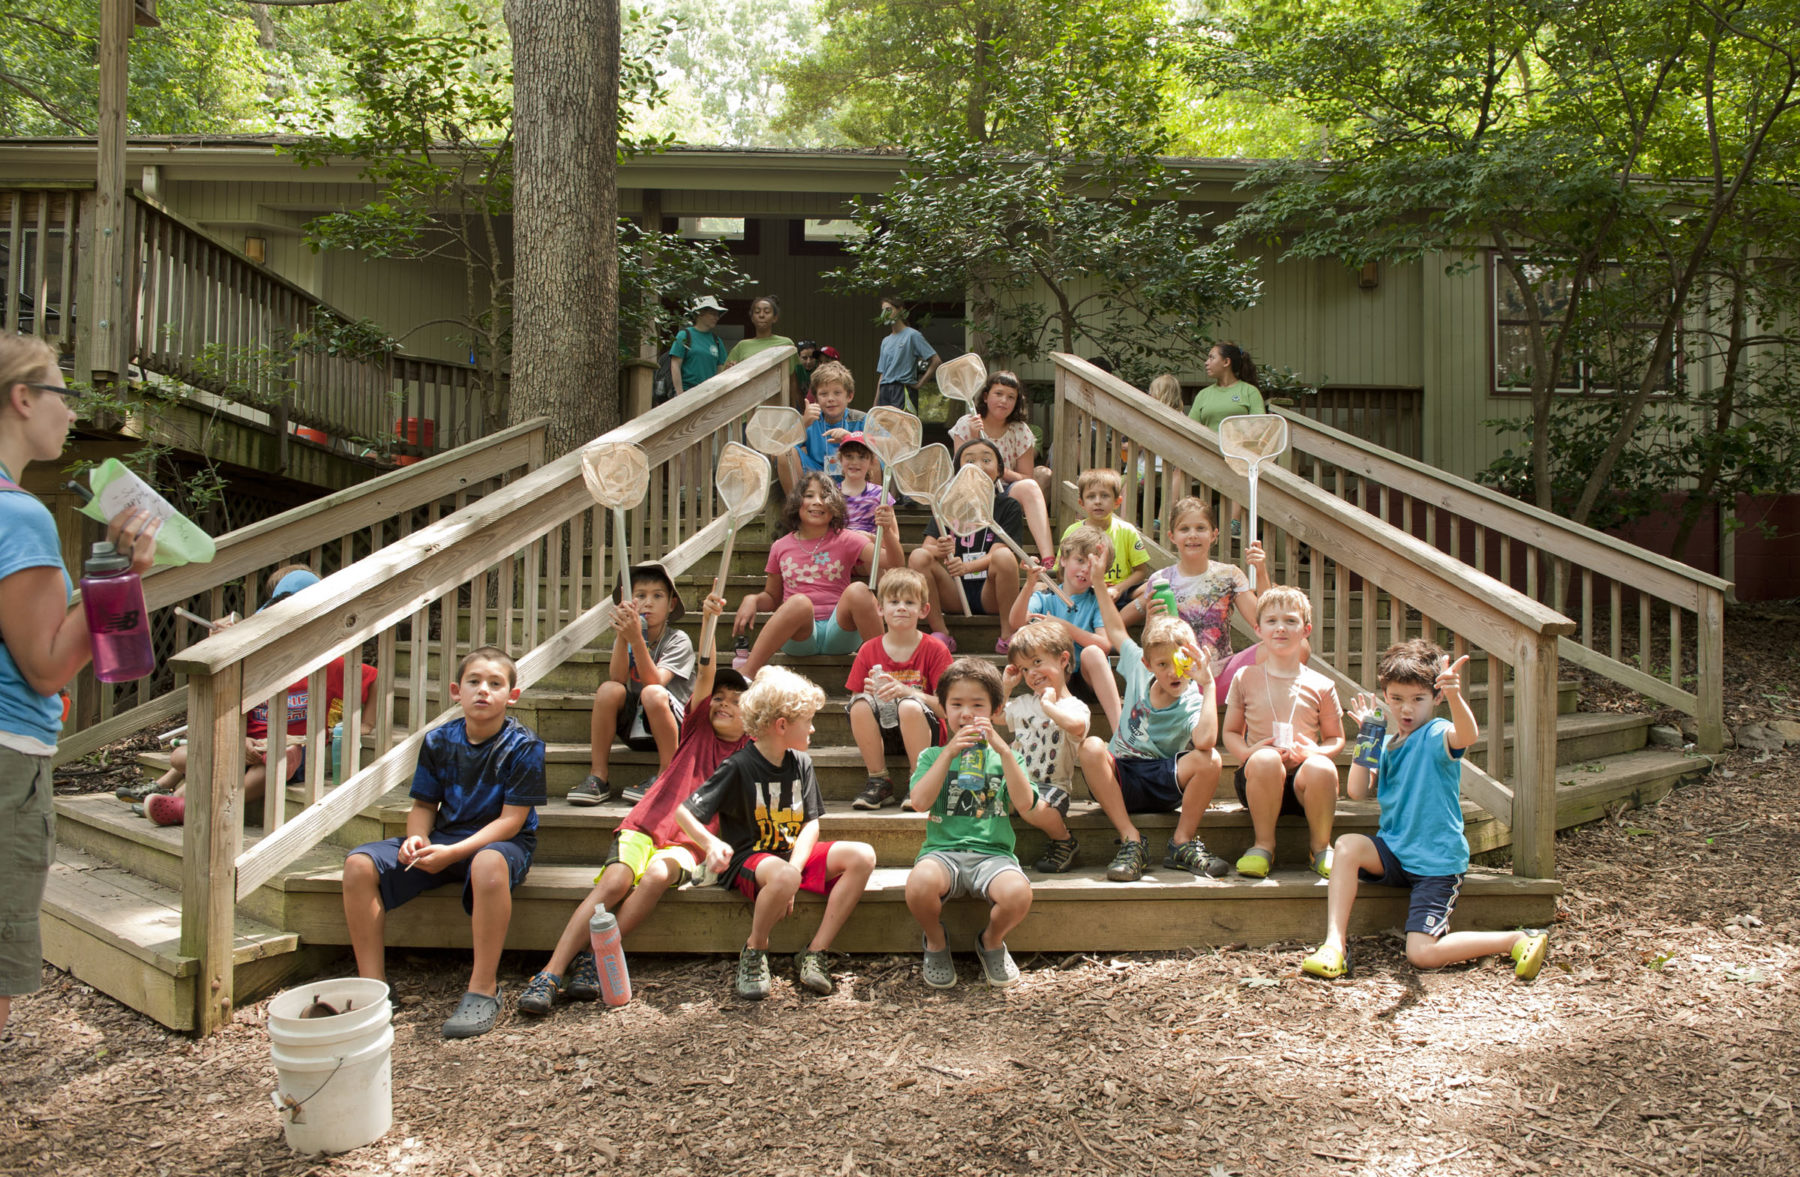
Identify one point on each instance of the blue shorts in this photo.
(828, 637)
(400, 885)
(1433, 896)
(1147, 786)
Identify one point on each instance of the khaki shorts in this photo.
(27, 846)
(635, 849)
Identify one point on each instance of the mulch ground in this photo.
(1660, 1039)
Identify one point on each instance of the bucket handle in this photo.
(295, 1109)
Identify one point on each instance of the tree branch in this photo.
(50, 108)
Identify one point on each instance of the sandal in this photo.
(1255, 863)
(1003, 645)
(1321, 863)
(475, 1014)
(940, 969)
(1328, 963)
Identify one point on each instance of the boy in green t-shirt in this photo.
(967, 790)
(1102, 491)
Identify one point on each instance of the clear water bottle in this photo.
(1369, 738)
(609, 957)
(112, 596)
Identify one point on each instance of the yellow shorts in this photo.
(635, 849)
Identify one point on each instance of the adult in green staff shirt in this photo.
(1233, 389)
(765, 312)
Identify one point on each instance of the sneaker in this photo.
(165, 809)
(1128, 864)
(584, 980)
(940, 969)
(1195, 858)
(1529, 954)
(997, 966)
(1059, 857)
(753, 981)
(592, 791)
(135, 792)
(540, 994)
(877, 793)
(475, 1014)
(1327, 963)
(809, 967)
(632, 794)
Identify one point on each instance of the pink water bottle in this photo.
(609, 957)
(112, 596)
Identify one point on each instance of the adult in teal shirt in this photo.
(1233, 389)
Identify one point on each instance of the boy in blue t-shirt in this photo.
(829, 420)
(1162, 756)
(1095, 685)
(1420, 843)
(473, 821)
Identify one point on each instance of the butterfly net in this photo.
(893, 434)
(961, 379)
(742, 480)
(617, 473)
(1251, 439)
(924, 474)
(775, 429)
(966, 505)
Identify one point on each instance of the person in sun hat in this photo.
(697, 353)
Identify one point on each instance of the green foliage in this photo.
(660, 273)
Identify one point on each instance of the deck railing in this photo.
(1673, 614)
(201, 313)
(526, 568)
(1392, 418)
(330, 533)
(1333, 551)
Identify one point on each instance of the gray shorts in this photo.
(972, 874)
(27, 846)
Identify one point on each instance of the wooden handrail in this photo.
(1471, 610)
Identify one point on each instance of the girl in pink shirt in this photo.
(815, 592)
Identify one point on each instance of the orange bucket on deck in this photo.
(419, 431)
(312, 434)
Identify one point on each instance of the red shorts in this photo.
(812, 875)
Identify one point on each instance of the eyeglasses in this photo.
(66, 391)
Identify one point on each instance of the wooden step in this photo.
(1079, 912)
(121, 933)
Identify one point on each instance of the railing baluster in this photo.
(1644, 655)
(1675, 651)
(1496, 718)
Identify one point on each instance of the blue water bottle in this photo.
(1369, 738)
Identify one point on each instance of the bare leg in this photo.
(776, 883)
(614, 885)
(1354, 852)
(1316, 785)
(926, 884)
(659, 876)
(659, 717)
(792, 619)
(1099, 675)
(1264, 777)
(1198, 773)
(604, 725)
(1002, 587)
(491, 882)
(365, 917)
(939, 587)
(1427, 952)
(851, 864)
(1046, 818)
(1097, 767)
(177, 770)
(859, 610)
(787, 466)
(1031, 500)
(1010, 895)
(866, 729)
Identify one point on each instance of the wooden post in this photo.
(1065, 450)
(1709, 681)
(108, 309)
(211, 835)
(1534, 757)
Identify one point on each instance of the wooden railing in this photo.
(1392, 418)
(1332, 550)
(201, 313)
(525, 568)
(330, 533)
(1674, 615)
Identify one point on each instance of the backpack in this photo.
(662, 388)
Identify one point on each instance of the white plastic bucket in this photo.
(334, 1078)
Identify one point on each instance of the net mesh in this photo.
(742, 479)
(966, 505)
(961, 379)
(893, 434)
(775, 429)
(1252, 438)
(924, 474)
(617, 474)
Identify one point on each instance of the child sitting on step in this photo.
(1080, 620)
(767, 802)
(967, 790)
(862, 496)
(987, 568)
(1161, 758)
(473, 822)
(814, 581)
(1420, 843)
(649, 680)
(1284, 724)
(649, 853)
(894, 709)
(1002, 415)
(1048, 723)
(1101, 492)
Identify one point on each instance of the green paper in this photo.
(180, 541)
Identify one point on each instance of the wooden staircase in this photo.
(120, 885)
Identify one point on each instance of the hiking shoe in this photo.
(590, 792)
(1328, 963)
(135, 792)
(1528, 954)
(165, 809)
(1195, 858)
(1058, 857)
(475, 1015)
(809, 967)
(540, 994)
(1128, 864)
(584, 980)
(632, 794)
(753, 981)
(877, 793)
(997, 965)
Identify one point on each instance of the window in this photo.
(1614, 360)
(739, 235)
(822, 235)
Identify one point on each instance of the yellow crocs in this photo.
(1529, 953)
(1327, 963)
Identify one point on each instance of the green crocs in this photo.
(1255, 863)
(1529, 954)
(1321, 863)
(1327, 963)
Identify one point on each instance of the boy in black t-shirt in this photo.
(768, 804)
(474, 821)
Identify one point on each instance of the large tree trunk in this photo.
(566, 216)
